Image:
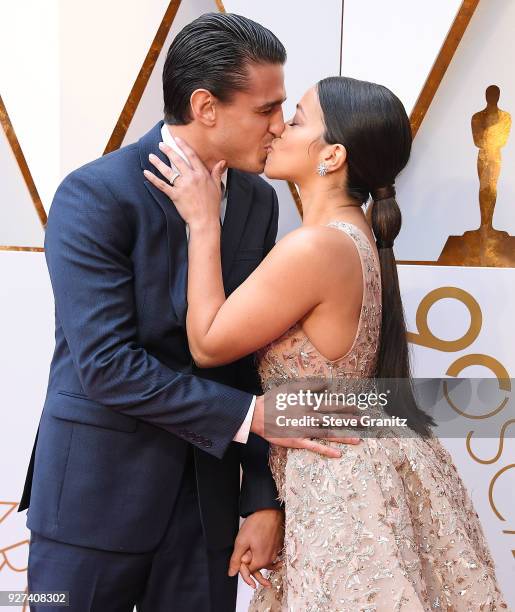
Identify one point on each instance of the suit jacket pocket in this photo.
(79, 409)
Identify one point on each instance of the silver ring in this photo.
(174, 178)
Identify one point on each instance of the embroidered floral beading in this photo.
(387, 527)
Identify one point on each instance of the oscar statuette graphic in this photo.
(485, 246)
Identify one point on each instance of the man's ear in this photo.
(203, 106)
(334, 157)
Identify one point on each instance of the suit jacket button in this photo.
(208, 443)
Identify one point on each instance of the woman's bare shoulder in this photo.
(318, 244)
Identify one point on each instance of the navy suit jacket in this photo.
(124, 399)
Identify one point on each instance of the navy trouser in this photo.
(181, 575)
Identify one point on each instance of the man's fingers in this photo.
(233, 567)
(247, 557)
(234, 564)
(343, 440)
(321, 435)
(314, 445)
(261, 579)
(321, 449)
(245, 574)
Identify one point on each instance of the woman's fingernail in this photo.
(152, 156)
(162, 145)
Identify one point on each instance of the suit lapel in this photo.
(175, 226)
(239, 200)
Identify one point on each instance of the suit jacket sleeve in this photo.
(88, 244)
(258, 490)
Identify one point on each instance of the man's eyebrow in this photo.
(272, 104)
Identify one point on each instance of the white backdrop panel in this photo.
(29, 85)
(449, 319)
(395, 43)
(439, 190)
(27, 332)
(97, 78)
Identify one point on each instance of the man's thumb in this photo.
(247, 557)
(235, 561)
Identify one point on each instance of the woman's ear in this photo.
(203, 106)
(335, 157)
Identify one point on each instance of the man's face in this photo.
(246, 126)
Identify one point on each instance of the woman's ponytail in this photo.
(393, 359)
(371, 123)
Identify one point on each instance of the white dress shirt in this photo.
(242, 434)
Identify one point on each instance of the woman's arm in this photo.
(285, 286)
(274, 297)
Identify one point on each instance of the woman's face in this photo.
(295, 155)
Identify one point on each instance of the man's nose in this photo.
(277, 124)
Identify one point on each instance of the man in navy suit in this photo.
(134, 482)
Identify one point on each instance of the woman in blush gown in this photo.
(388, 526)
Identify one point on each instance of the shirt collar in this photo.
(170, 141)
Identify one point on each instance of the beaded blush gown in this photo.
(387, 527)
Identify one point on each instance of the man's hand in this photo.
(258, 427)
(257, 545)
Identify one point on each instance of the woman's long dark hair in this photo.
(372, 124)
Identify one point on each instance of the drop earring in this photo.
(322, 169)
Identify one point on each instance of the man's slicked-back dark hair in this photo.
(213, 53)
